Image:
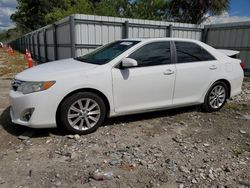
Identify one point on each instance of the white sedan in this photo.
(124, 77)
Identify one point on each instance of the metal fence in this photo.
(78, 34)
(234, 36)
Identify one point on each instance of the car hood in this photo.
(55, 70)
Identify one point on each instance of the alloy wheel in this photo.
(217, 96)
(84, 114)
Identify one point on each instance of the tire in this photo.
(216, 97)
(82, 113)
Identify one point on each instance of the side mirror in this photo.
(128, 62)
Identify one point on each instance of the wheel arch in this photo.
(227, 84)
(99, 93)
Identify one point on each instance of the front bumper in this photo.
(44, 109)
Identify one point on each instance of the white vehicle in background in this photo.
(124, 77)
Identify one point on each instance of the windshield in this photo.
(107, 53)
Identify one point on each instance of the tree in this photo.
(33, 14)
(30, 13)
(119, 8)
(9, 34)
(75, 7)
(149, 9)
(195, 11)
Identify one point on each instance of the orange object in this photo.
(10, 51)
(26, 53)
(47, 85)
(28, 58)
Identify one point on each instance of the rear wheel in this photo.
(216, 97)
(82, 113)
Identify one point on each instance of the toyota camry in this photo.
(124, 77)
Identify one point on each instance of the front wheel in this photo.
(82, 113)
(216, 97)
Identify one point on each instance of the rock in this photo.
(170, 164)
(211, 176)
(57, 175)
(26, 135)
(77, 137)
(58, 183)
(143, 162)
(73, 155)
(242, 163)
(202, 175)
(245, 117)
(194, 181)
(100, 175)
(70, 136)
(181, 186)
(19, 150)
(2, 181)
(184, 169)
(114, 162)
(242, 131)
(206, 145)
(158, 155)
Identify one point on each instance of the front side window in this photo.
(157, 53)
(107, 53)
(191, 52)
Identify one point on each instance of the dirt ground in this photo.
(174, 148)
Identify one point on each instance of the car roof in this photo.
(157, 39)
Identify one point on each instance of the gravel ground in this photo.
(175, 148)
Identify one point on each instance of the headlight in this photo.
(30, 87)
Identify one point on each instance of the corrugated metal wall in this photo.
(235, 36)
(49, 43)
(78, 34)
(93, 31)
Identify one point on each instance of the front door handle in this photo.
(168, 72)
(213, 67)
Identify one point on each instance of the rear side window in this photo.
(157, 53)
(191, 52)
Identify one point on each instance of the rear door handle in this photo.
(213, 67)
(168, 72)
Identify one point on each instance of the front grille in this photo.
(15, 84)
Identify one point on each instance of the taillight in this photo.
(242, 64)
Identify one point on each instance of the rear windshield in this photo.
(107, 53)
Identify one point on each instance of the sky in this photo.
(239, 11)
(7, 7)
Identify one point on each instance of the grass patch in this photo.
(11, 64)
